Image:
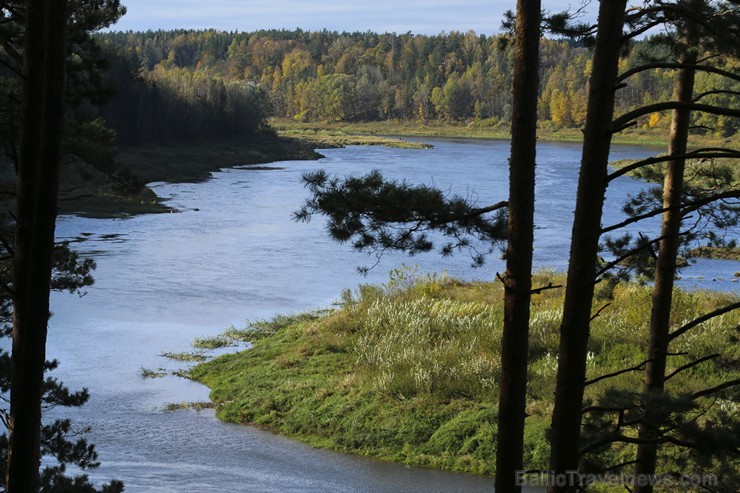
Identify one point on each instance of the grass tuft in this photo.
(197, 406)
(214, 342)
(149, 373)
(192, 356)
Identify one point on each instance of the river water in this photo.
(233, 254)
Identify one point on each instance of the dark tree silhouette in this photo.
(37, 186)
(518, 276)
(665, 270)
(567, 449)
(574, 331)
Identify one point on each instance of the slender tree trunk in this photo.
(37, 184)
(574, 332)
(666, 264)
(518, 279)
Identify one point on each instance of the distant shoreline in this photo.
(475, 129)
(95, 196)
(291, 140)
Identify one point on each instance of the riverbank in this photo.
(195, 162)
(408, 372)
(476, 129)
(86, 191)
(722, 253)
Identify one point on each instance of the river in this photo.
(233, 254)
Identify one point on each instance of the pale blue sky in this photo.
(417, 16)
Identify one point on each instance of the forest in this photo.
(211, 84)
(575, 374)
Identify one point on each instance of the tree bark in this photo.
(665, 272)
(574, 331)
(37, 186)
(518, 278)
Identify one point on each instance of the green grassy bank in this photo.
(409, 371)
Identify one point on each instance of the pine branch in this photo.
(715, 389)
(13, 54)
(634, 440)
(472, 214)
(606, 409)
(545, 288)
(623, 121)
(8, 247)
(618, 466)
(376, 214)
(5, 417)
(701, 127)
(704, 153)
(716, 91)
(76, 197)
(716, 313)
(599, 311)
(690, 365)
(632, 252)
(676, 66)
(641, 30)
(686, 207)
(639, 367)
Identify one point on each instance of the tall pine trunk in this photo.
(37, 185)
(518, 279)
(666, 264)
(592, 182)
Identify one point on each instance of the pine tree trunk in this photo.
(37, 185)
(574, 331)
(518, 279)
(666, 265)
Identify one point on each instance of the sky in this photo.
(400, 16)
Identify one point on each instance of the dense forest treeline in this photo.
(184, 84)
